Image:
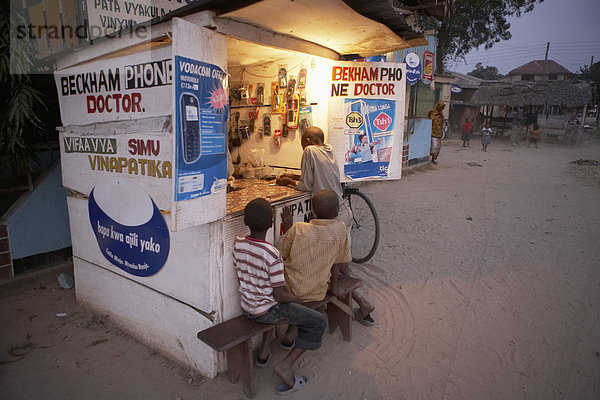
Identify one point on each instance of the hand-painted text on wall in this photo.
(102, 156)
(364, 81)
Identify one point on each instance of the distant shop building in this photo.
(538, 70)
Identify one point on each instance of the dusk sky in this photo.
(571, 26)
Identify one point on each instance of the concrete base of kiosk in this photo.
(158, 321)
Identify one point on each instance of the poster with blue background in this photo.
(201, 110)
(369, 134)
(413, 68)
(129, 228)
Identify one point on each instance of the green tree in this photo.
(592, 74)
(488, 72)
(474, 23)
(20, 104)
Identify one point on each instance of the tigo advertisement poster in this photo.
(366, 118)
(369, 136)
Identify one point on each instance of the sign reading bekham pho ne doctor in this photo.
(366, 114)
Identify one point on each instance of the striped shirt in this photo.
(259, 269)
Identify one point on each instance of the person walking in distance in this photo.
(437, 118)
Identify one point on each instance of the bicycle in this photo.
(585, 136)
(365, 225)
(578, 135)
(447, 130)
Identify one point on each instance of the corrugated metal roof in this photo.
(467, 81)
(398, 56)
(436, 8)
(388, 14)
(540, 67)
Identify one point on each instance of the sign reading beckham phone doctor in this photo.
(201, 110)
(123, 88)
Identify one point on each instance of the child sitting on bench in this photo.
(259, 269)
(313, 253)
(319, 171)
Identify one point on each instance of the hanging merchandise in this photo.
(234, 92)
(260, 94)
(244, 129)
(291, 88)
(282, 78)
(282, 83)
(305, 118)
(267, 125)
(245, 93)
(277, 138)
(277, 100)
(253, 116)
(234, 136)
(302, 86)
(293, 110)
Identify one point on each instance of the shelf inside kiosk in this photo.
(263, 132)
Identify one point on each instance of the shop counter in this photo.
(233, 226)
(246, 190)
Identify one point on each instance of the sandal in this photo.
(288, 347)
(299, 383)
(262, 363)
(366, 321)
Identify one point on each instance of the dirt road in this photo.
(486, 282)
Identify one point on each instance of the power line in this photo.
(570, 63)
(495, 54)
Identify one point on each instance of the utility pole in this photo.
(547, 48)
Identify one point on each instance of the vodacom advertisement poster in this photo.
(131, 87)
(366, 118)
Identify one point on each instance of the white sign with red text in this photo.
(366, 118)
(124, 88)
(108, 16)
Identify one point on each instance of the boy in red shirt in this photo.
(534, 136)
(466, 135)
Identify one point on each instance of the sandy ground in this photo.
(486, 283)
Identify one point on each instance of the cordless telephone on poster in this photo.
(190, 128)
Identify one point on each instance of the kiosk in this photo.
(147, 127)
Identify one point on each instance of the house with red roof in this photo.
(538, 70)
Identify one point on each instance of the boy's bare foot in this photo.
(284, 372)
(284, 369)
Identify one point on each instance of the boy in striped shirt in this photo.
(259, 270)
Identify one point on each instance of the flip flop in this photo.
(299, 383)
(287, 347)
(366, 321)
(262, 363)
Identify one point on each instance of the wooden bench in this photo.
(234, 336)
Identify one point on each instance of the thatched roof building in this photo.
(567, 93)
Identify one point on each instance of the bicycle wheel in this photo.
(586, 139)
(365, 227)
